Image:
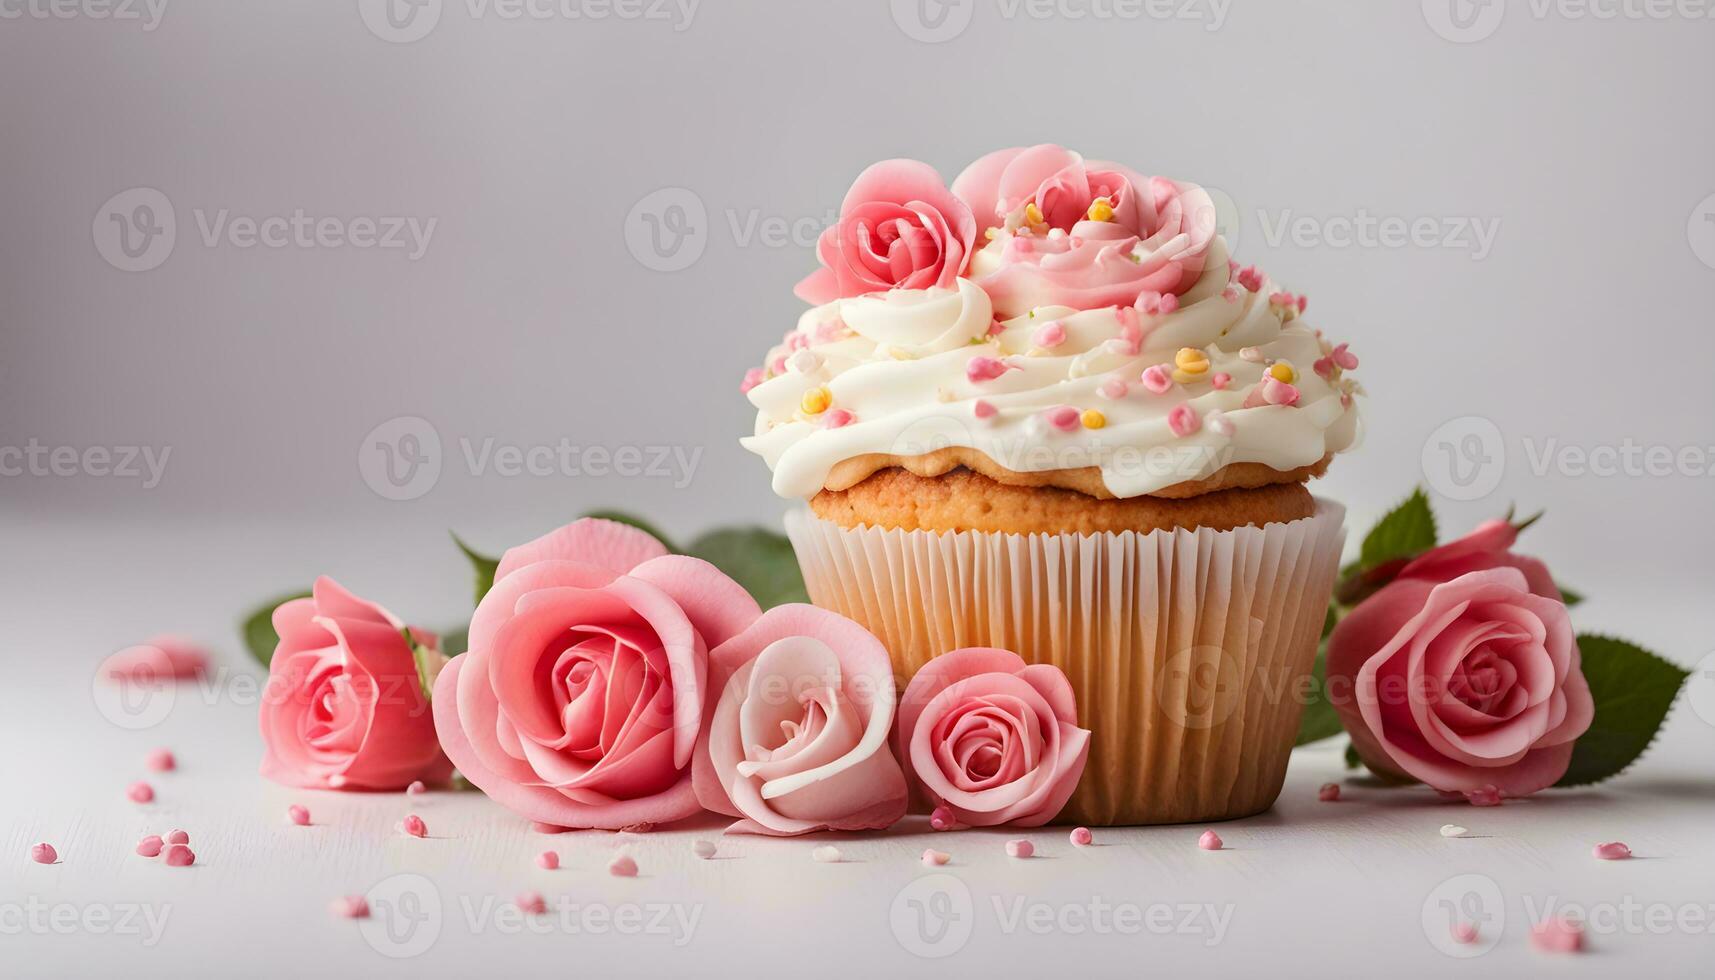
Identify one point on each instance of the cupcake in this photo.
(1042, 410)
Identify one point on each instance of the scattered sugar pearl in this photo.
(140, 792)
(1156, 379)
(548, 860)
(624, 866)
(752, 378)
(941, 819)
(531, 903)
(1219, 424)
(161, 760)
(1251, 354)
(1558, 935)
(413, 825)
(1464, 933)
(1081, 837)
(1114, 389)
(826, 854)
(180, 856)
(44, 853)
(983, 368)
(1062, 417)
(298, 814)
(1453, 830)
(1050, 335)
(704, 849)
(151, 846)
(936, 859)
(1183, 420)
(350, 907)
(1329, 793)
(1020, 849)
(1211, 841)
(839, 418)
(1221, 380)
(983, 410)
(1612, 851)
(177, 837)
(416, 789)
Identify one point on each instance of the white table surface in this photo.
(1308, 888)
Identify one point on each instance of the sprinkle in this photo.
(350, 907)
(1218, 423)
(548, 860)
(177, 837)
(1453, 830)
(140, 792)
(416, 788)
(1189, 365)
(413, 825)
(1114, 389)
(1126, 315)
(180, 856)
(1081, 837)
(1344, 358)
(1210, 841)
(1049, 335)
(1094, 419)
(936, 859)
(1156, 380)
(298, 814)
(804, 362)
(1283, 372)
(1033, 214)
(983, 410)
(1062, 417)
(1251, 354)
(161, 760)
(1464, 933)
(704, 849)
(151, 846)
(752, 378)
(1329, 793)
(839, 418)
(1271, 391)
(44, 853)
(777, 366)
(996, 328)
(531, 903)
(1020, 849)
(941, 819)
(983, 368)
(1101, 209)
(1558, 935)
(1612, 851)
(1183, 420)
(1222, 380)
(816, 401)
(624, 866)
(826, 854)
(1251, 278)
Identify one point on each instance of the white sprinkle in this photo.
(704, 849)
(826, 854)
(804, 362)
(1251, 354)
(1453, 830)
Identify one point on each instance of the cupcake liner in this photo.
(1189, 650)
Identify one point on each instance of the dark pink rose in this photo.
(899, 228)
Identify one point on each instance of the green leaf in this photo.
(1353, 760)
(258, 628)
(483, 565)
(456, 640)
(429, 663)
(1633, 689)
(1569, 597)
(637, 522)
(758, 559)
(1405, 533)
(1319, 720)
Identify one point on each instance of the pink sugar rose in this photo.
(1153, 241)
(579, 701)
(899, 228)
(344, 707)
(992, 739)
(1462, 673)
(797, 741)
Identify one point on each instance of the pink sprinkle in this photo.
(416, 788)
(1183, 420)
(1156, 379)
(936, 859)
(180, 856)
(1324, 367)
(623, 866)
(996, 328)
(1559, 935)
(1114, 388)
(1169, 303)
(839, 418)
(1251, 278)
(778, 365)
(531, 903)
(1329, 793)
(941, 819)
(1612, 851)
(1081, 837)
(829, 331)
(982, 368)
(298, 814)
(1464, 933)
(1487, 796)
(161, 760)
(1219, 424)
(1127, 316)
(350, 907)
(548, 860)
(1130, 339)
(1210, 841)
(796, 341)
(1221, 380)
(140, 792)
(983, 410)
(1062, 417)
(151, 846)
(1050, 334)
(1017, 246)
(1344, 357)
(413, 825)
(1020, 849)
(44, 853)
(177, 837)
(1230, 294)
(752, 378)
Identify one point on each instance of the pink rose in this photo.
(798, 739)
(1151, 238)
(1463, 673)
(994, 740)
(344, 707)
(579, 701)
(899, 228)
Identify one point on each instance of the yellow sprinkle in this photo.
(992, 234)
(1185, 377)
(1033, 214)
(1191, 360)
(1094, 419)
(816, 401)
(1101, 210)
(1282, 371)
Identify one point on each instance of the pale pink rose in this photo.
(899, 228)
(344, 707)
(1156, 242)
(1468, 681)
(1488, 546)
(579, 701)
(797, 741)
(994, 740)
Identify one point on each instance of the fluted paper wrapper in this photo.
(1189, 651)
